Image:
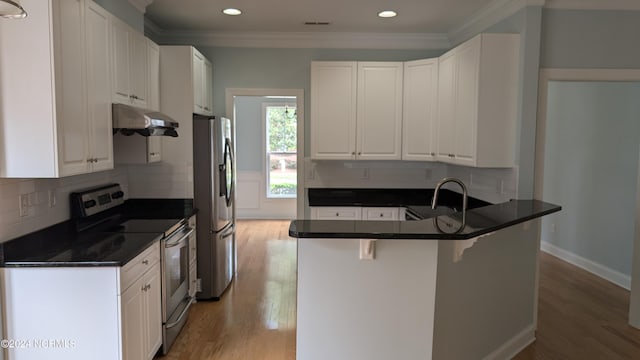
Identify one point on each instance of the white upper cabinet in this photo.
(129, 58)
(477, 102)
(379, 114)
(99, 94)
(153, 75)
(202, 84)
(356, 110)
(55, 58)
(419, 110)
(208, 87)
(333, 110)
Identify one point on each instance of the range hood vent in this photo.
(129, 120)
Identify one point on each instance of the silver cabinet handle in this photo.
(337, 214)
(353, 153)
(381, 215)
(145, 262)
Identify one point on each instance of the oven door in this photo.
(175, 276)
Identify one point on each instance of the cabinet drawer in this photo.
(135, 268)
(337, 213)
(381, 213)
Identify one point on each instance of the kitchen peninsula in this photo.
(436, 288)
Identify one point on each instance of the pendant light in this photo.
(11, 9)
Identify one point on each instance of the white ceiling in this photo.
(360, 16)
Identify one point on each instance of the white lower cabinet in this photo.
(78, 313)
(142, 316)
(355, 213)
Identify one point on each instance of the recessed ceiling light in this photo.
(232, 11)
(387, 14)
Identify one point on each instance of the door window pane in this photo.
(281, 125)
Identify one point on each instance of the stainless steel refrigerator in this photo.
(214, 196)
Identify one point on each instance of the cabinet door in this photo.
(446, 107)
(70, 95)
(333, 110)
(133, 319)
(466, 101)
(198, 82)
(121, 40)
(99, 96)
(379, 114)
(419, 109)
(208, 87)
(152, 311)
(153, 75)
(138, 69)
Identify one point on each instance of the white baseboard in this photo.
(515, 345)
(599, 270)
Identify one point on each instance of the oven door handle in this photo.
(182, 314)
(169, 244)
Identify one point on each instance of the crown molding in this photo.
(333, 40)
(633, 5)
(491, 14)
(141, 5)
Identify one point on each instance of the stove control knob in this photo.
(117, 195)
(89, 204)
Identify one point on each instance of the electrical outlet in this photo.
(427, 174)
(365, 174)
(24, 204)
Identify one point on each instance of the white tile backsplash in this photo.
(373, 174)
(492, 185)
(161, 180)
(39, 214)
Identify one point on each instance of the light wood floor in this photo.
(581, 316)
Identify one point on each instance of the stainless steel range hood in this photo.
(11, 9)
(129, 120)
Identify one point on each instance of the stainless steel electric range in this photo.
(97, 211)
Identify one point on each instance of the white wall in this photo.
(40, 214)
(590, 169)
(252, 201)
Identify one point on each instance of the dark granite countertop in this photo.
(386, 197)
(479, 221)
(63, 245)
